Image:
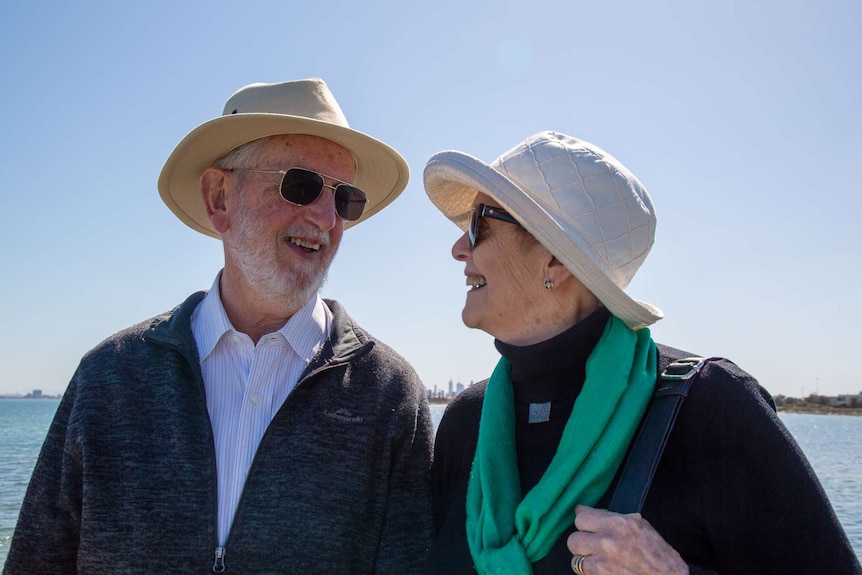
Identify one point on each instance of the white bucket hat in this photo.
(581, 203)
(261, 110)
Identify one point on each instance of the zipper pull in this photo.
(218, 565)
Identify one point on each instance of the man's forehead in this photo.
(305, 144)
(301, 141)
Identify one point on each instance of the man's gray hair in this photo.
(245, 156)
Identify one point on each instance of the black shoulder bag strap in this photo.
(642, 462)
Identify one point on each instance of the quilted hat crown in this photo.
(607, 212)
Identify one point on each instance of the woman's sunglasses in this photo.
(483, 211)
(302, 187)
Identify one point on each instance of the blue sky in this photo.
(742, 119)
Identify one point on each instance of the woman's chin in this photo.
(469, 318)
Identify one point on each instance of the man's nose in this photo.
(321, 212)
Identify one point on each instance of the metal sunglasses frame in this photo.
(323, 184)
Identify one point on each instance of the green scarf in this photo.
(507, 534)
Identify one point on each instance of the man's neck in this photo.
(252, 313)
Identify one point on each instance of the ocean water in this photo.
(831, 443)
(23, 425)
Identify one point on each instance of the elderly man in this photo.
(255, 428)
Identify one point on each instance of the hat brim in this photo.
(381, 171)
(453, 180)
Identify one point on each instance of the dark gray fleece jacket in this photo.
(126, 480)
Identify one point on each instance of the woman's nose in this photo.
(461, 248)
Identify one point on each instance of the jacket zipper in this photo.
(220, 551)
(218, 565)
(218, 562)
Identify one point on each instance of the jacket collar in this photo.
(346, 342)
(174, 328)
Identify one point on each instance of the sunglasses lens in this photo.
(301, 187)
(473, 227)
(349, 202)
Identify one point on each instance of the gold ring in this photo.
(577, 564)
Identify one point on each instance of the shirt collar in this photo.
(306, 331)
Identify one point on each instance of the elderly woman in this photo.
(526, 462)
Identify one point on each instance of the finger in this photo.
(594, 520)
(581, 508)
(578, 562)
(581, 543)
(589, 519)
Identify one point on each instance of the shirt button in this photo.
(256, 399)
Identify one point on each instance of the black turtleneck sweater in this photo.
(732, 494)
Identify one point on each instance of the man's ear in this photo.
(212, 186)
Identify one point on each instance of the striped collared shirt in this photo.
(246, 384)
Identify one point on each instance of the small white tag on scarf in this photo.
(540, 412)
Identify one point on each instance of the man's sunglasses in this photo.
(483, 211)
(302, 187)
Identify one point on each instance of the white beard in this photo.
(256, 257)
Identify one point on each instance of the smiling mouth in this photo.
(306, 245)
(475, 282)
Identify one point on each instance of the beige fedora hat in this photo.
(259, 110)
(580, 202)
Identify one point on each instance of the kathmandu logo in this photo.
(344, 415)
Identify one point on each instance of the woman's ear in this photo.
(579, 300)
(557, 272)
(212, 186)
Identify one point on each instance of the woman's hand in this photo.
(620, 544)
